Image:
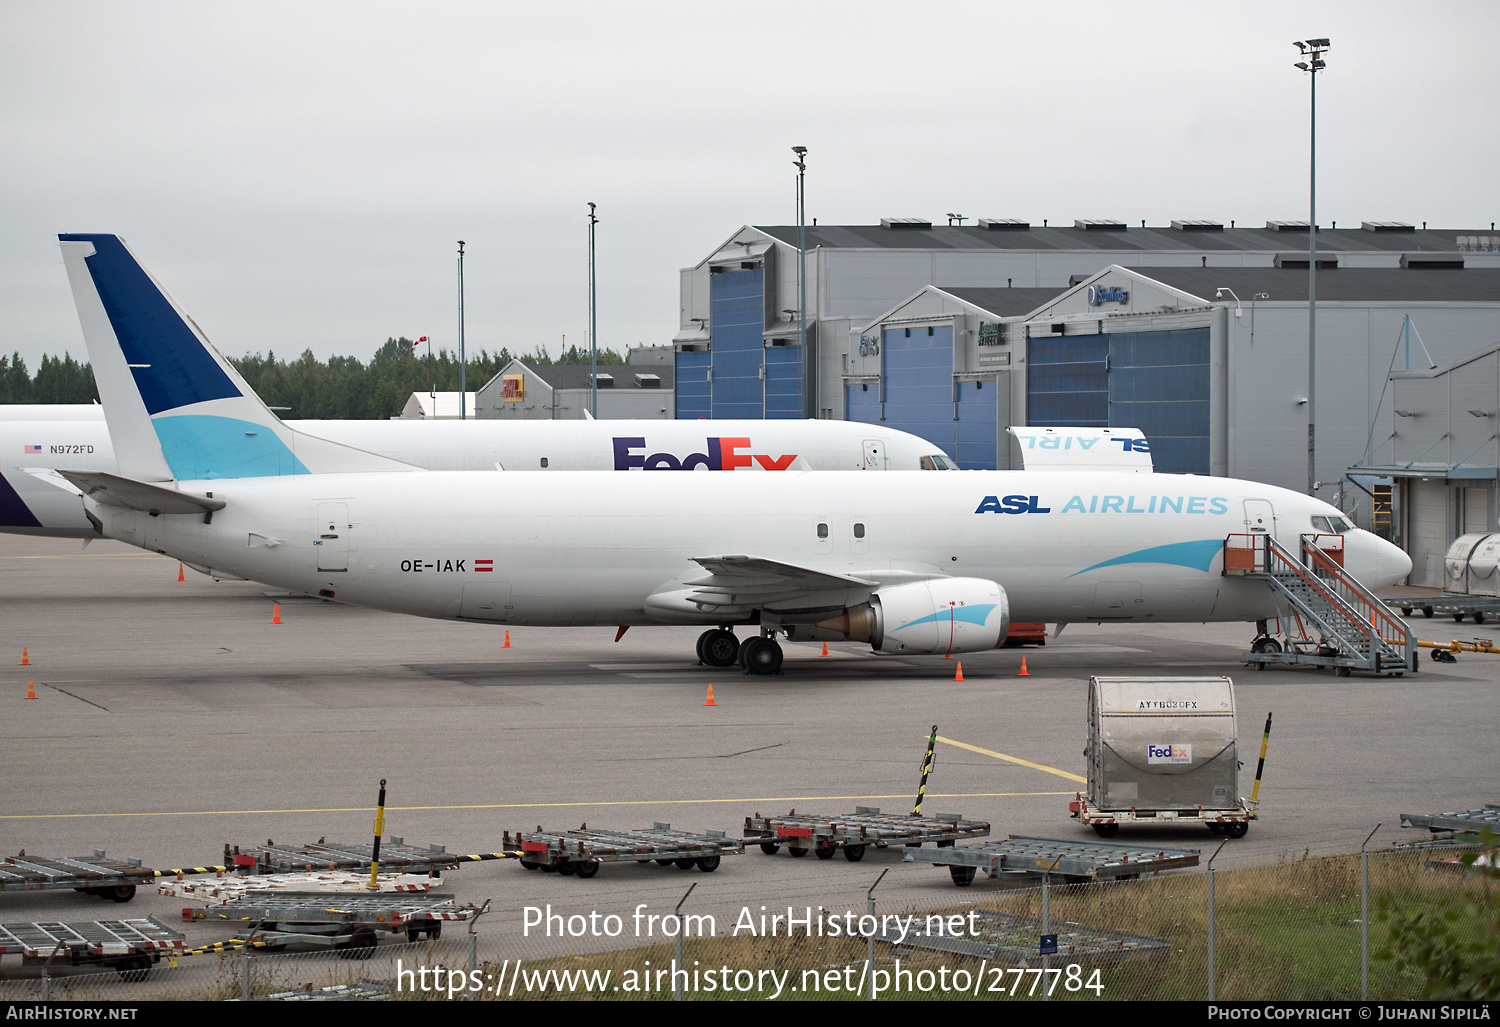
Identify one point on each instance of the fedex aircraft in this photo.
(75, 437)
(909, 562)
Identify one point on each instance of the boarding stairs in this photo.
(1327, 618)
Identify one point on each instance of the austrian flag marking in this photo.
(481, 566)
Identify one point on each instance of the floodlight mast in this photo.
(801, 165)
(1312, 50)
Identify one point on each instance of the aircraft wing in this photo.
(138, 495)
(756, 582)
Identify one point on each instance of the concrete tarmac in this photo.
(173, 717)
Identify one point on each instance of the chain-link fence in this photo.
(1325, 928)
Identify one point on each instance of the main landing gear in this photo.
(759, 654)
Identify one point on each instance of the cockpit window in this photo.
(937, 462)
(1332, 525)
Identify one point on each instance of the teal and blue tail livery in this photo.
(176, 408)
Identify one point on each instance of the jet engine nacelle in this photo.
(943, 615)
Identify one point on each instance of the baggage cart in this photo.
(92, 875)
(1025, 860)
(853, 832)
(349, 923)
(395, 854)
(581, 852)
(218, 891)
(128, 946)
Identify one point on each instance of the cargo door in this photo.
(874, 455)
(332, 541)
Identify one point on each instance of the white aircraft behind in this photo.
(910, 562)
(75, 437)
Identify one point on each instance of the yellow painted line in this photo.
(1013, 759)
(532, 805)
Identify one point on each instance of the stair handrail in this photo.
(1377, 608)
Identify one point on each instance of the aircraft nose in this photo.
(1392, 565)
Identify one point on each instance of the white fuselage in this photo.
(78, 439)
(589, 548)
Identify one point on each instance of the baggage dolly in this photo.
(395, 854)
(1027, 859)
(129, 947)
(92, 875)
(581, 852)
(348, 923)
(852, 832)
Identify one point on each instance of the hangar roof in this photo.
(1004, 302)
(1260, 240)
(1356, 284)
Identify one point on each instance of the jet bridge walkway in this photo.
(1328, 618)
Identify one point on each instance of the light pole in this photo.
(463, 396)
(593, 324)
(1313, 50)
(801, 163)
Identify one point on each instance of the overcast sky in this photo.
(297, 174)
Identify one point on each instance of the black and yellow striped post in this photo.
(379, 830)
(926, 770)
(1265, 741)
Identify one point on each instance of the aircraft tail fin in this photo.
(176, 409)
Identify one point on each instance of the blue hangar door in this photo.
(1155, 381)
(917, 394)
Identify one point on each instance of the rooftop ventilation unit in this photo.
(1387, 226)
(1433, 261)
(1099, 225)
(648, 381)
(604, 381)
(1198, 225)
(896, 224)
(1004, 225)
(1286, 226)
(1292, 261)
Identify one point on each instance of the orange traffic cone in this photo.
(825, 650)
(1024, 672)
(710, 701)
(30, 689)
(179, 573)
(25, 660)
(507, 640)
(960, 675)
(276, 615)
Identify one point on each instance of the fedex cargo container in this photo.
(1162, 750)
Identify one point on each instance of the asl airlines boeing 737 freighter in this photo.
(910, 562)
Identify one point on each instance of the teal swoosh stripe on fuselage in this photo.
(1197, 555)
(976, 613)
(200, 446)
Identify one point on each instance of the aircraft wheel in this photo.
(718, 648)
(762, 656)
(1106, 830)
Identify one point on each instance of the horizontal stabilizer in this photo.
(139, 495)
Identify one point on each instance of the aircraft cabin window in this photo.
(544, 461)
(822, 531)
(859, 531)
